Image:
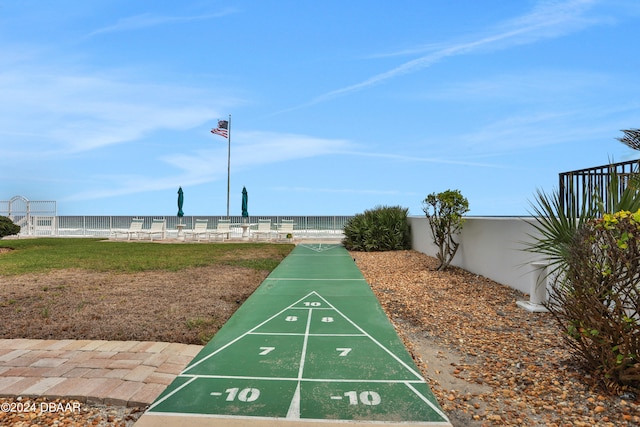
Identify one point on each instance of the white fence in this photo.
(32, 216)
(307, 227)
(489, 246)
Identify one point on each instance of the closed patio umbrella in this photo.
(180, 202)
(245, 203)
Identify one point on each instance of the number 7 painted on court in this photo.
(266, 350)
(343, 351)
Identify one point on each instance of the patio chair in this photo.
(285, 228)
(199, 230)
(264, 228)
(222, 228)
(157, 227)
(134, 228)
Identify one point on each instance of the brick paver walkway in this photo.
(125, 373)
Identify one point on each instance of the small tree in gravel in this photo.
(7, 227)
(444, 212)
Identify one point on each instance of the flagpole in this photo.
(228, 162)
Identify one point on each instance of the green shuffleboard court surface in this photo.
(311, 344)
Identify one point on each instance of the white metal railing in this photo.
(489, 246)
(308, 227)
(35, 217)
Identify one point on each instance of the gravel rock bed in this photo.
(488, 361)
(26, 412)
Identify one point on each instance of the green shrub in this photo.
(592, 246)
(7, 227)
(596, 300)
(594, 262)
(383, 228)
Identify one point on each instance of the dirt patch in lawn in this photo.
(186, 307)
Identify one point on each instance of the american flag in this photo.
(222, 129)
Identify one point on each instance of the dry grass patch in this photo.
(187, 306)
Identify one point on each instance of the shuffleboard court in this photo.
(313, 345)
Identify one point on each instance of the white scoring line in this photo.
(306, 279)
(304, 344)
(379, 344)
(394, 356)
(304, 380)
(239, 337)
(315, 255)
(157, 402)
(245, 419)
(428, 402)
(277, 334)
(294, 407)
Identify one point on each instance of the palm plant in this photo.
(595, 263)
(556, 227)
(631, 138)
(615, 201)
(557, 224)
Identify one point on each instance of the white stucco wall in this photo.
(489, 246)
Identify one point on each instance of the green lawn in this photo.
(44, 254)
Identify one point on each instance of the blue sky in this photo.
(336, 106)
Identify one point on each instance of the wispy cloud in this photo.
(528, 130)
(533, 86)
(250, 149)
(536, 108)
(128, 184)
(549, 19)
(74, 113)
(258, 148)
(342, 191)
(148, 20)
(420, 159)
